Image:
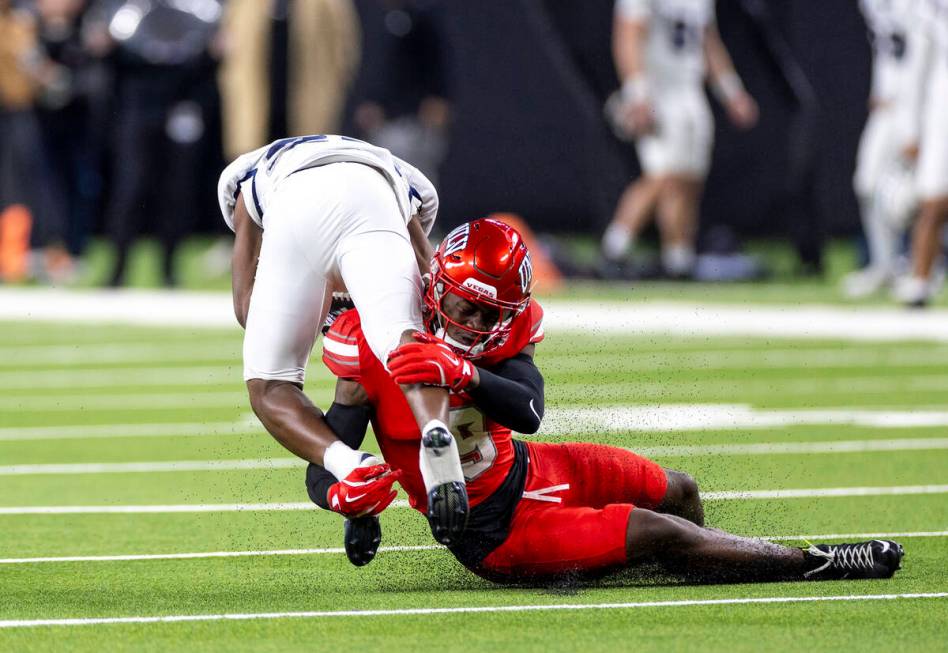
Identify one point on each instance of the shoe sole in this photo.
(448, 506)
(448, 510)
(362, 537)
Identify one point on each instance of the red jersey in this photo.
(486, 447)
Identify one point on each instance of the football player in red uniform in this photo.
(539, 511)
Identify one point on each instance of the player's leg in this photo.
(286, 307)
(926, 248)
(682, 497)
(636, 207)
(714, 555)
(377, 263)
(633, 213)
(876, 151)
(688, 159)
(678, 223)
(596, 475)
(917, 289)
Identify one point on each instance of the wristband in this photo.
(340, 459)
(635, 90)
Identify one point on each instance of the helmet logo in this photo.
(480, 288)
(457, 239)
(526, 273)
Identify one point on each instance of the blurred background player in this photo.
(920, 285)
(885, 171)
(663, 49)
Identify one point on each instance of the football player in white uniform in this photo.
(885, 169)
(918, 288)
(663, 50)
(311, 215)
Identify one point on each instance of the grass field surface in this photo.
(143, 508)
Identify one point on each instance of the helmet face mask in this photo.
(481, 277)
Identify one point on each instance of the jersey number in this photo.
(475, 443)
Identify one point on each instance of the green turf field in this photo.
(78, 403)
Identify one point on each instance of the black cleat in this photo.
(362, 537)
(447, 512)
(872, 559)
(448, 506)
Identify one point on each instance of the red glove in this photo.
(430, 362)
(365, 491)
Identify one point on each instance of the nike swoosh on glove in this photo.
(430, 362)
(365, 491)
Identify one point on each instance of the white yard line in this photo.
(88, 389)
(704, 359)
(150, 467)
(557, 421)
(133, 557)
(74, 432)
(777, 448)
(428, 611)
(121, 377)
(727, 495)
(852, 536)
(688, 417)
(98, 354)
(730, 359)
(47, 402)
(679, 318)
(211, 554)
(758, 449)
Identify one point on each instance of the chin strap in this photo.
(468, 351)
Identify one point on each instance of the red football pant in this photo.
(574, 513)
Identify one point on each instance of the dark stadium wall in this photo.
(528, 78)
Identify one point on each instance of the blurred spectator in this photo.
(72, 119)
(31, 217)
(919, 287)
(164, 58)
(663, 50)
(402, 99)
(287, 69)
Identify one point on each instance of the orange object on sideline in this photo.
(546, 275)
(15, 225)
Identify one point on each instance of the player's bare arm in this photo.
(421, 245)
(247, 240)
(726, 83)
(628, 48)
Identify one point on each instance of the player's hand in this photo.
(743, 111)
(639, 118)
(367, 490)
(910, 152)
(430, 361)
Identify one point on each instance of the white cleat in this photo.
(913, 291)
(865, 282)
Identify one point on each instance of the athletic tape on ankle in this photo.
(440, 466)
(340, 459)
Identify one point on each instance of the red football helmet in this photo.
(486, 263)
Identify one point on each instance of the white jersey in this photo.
(934, 16)
(674, 51)
(258, 175)
(894, 42)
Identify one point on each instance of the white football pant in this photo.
(333, 227)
